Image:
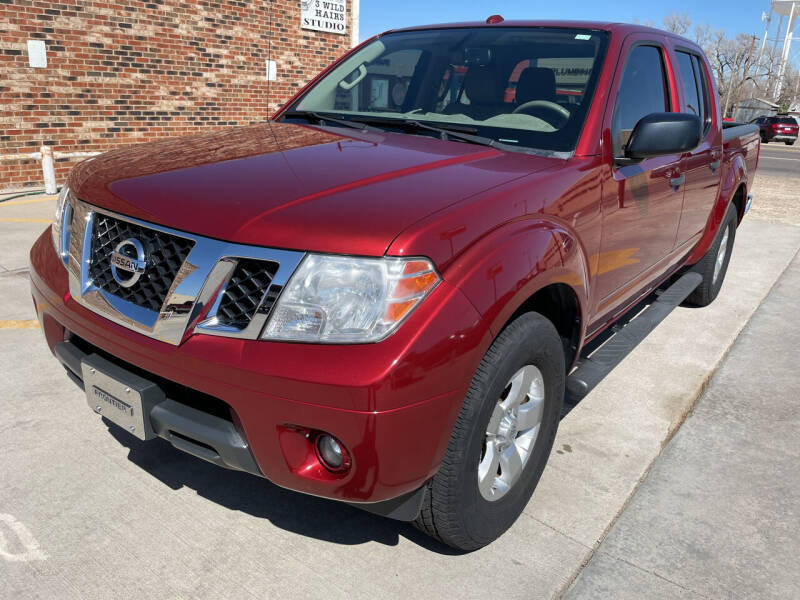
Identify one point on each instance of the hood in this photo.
(294, 186)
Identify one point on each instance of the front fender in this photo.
(505, 268)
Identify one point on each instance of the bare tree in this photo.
(644, 22)
(702, 34)
(677, 23)
(740, 70)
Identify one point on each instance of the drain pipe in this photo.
(47, 156)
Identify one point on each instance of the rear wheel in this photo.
(714, 265)
(790, 143)
(502, 438)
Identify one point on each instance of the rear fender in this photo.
(735, 176)
(505, 268)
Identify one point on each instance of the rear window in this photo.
(571, 77)
(783, 120)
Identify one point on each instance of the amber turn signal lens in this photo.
(415, 285)
(396, 311)
(417, 281)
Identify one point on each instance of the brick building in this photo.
(120, 72)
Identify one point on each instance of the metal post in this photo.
(49, 170)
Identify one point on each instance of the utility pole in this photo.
(768, 18)
(787, 44)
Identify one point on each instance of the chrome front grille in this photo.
(190, 283)
(244, 293)
(165, 255)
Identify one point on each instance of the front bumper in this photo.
(393, 404)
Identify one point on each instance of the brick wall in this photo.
(121, 72)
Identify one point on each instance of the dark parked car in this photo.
(777, 129)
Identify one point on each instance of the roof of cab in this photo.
(620, 28)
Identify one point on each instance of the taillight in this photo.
(776, 126)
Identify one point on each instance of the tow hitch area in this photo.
(598, 361)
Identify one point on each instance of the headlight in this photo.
(62, 222)
(348, 300)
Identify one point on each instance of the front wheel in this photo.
(502, 438)
(714, 265)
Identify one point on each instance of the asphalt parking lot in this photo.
(700, 417)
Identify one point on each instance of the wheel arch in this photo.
(533, 265)
(559, 304)
(733, 190)
(739, 200)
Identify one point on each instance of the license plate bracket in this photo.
(122, 397)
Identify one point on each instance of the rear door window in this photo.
(691, 93)
(695, 89)
(642, 91)
(701, 75)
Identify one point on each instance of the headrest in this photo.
(481, 86)
(536, 83)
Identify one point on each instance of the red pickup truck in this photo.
(380, 295)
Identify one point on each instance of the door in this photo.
(641, 202)
(701, 166)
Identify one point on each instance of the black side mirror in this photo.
(659, 134)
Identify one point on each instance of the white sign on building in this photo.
(329, 16)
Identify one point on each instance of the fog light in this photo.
(331, 453)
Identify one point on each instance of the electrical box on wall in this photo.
(272, 70)
(37, 54)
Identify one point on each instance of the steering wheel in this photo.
(557, 110)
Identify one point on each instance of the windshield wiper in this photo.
(445, 131)
(323, 117)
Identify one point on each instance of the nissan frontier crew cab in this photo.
(379, 295)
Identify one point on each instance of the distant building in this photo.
(747, 110)
(92, 75)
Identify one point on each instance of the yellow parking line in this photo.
(31, 201)
(20, 220)
(29, 324)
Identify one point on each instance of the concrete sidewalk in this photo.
(718, 515)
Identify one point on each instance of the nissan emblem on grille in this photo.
(128, 262)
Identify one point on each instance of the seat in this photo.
(536, 83)
(485, 93)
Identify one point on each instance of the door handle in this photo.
(677, 182)
(715, 165)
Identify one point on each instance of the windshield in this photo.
(521, 87)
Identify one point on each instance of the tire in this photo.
(707, 291)
(456, 510)
(789, 143)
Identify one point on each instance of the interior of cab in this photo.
(517, 82)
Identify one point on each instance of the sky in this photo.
(734, 16)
